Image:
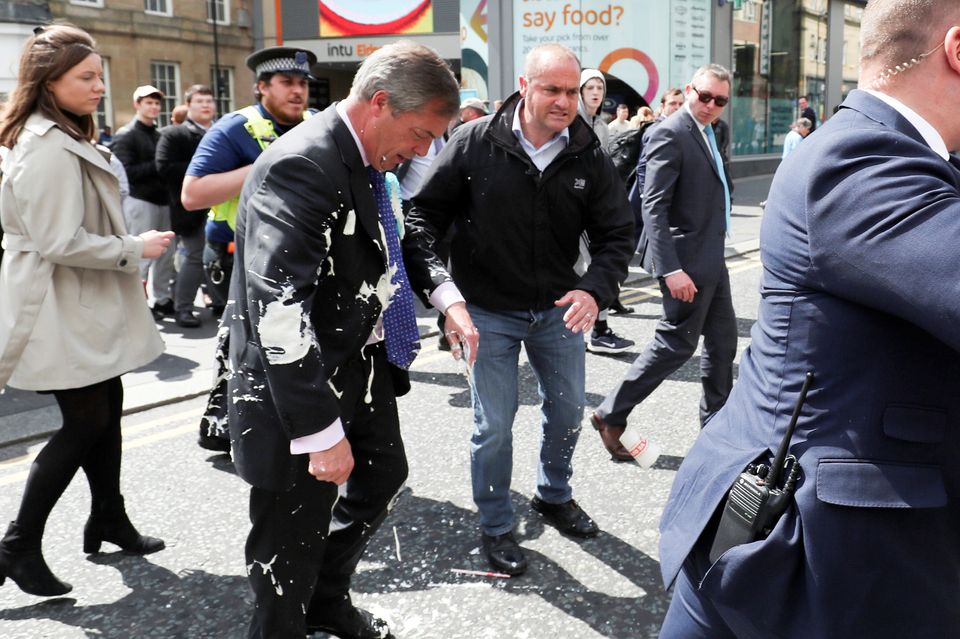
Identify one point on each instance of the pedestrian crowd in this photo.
(827, 466)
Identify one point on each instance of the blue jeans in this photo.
(557, 358)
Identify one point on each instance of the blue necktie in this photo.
(400, 317)
(718, 160)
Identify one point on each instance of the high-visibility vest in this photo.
(262, 131)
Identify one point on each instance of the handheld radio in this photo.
(756, 501)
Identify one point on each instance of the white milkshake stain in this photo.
(368, 397)
(327, 236)
(285, 330)
(384, 289)
(350, 225)
(267, 568)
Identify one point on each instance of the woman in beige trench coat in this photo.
(72, 311)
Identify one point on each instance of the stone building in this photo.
(166, 43)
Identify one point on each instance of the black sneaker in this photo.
(608, 342)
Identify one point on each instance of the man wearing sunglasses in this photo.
(686, 214)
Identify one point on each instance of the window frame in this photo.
(93, 4)
(166, 12)
(106, 101)
(170, 98)
(226, 12)
(227, 106)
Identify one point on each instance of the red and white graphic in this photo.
(343, 18)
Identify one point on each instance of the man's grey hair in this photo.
(718, 71)
(542, 55)
(803, 123)
(412, 75)
(893, 32)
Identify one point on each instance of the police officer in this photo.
(215, 177)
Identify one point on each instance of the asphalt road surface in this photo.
(604, 587)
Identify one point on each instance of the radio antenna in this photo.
(777, 466)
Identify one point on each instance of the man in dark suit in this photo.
(806, 111)
(686, 213)
(322, 330)
(860, 287)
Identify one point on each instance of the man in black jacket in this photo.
(174, 151)
(518, 189)
(135, 145)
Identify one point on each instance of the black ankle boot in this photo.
(22, 560)
(110, 523)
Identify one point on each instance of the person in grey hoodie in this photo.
(593, 90)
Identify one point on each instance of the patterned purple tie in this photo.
(400, 317)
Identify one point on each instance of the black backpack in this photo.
(625, 151)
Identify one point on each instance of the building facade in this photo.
(167, 43)
(18, 18)
(785, 49)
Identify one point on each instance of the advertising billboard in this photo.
(352, 18)
(649, 45)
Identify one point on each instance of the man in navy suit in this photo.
(686, 213)
(321, 338)
(859, 287)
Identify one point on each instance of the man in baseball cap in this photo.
(147, 205)
(471, 109)
(146, 91)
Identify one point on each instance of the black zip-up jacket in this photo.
(135, 145)
(516, 230)
(174, 152)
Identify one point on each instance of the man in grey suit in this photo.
(686, 213)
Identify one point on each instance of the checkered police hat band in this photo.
(285, 65)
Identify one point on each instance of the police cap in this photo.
(286, 60)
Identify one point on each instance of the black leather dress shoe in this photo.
(187, 319)
(349, 622)
(505, 554)
(617, 308)
(567, 517)
(164, 308)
